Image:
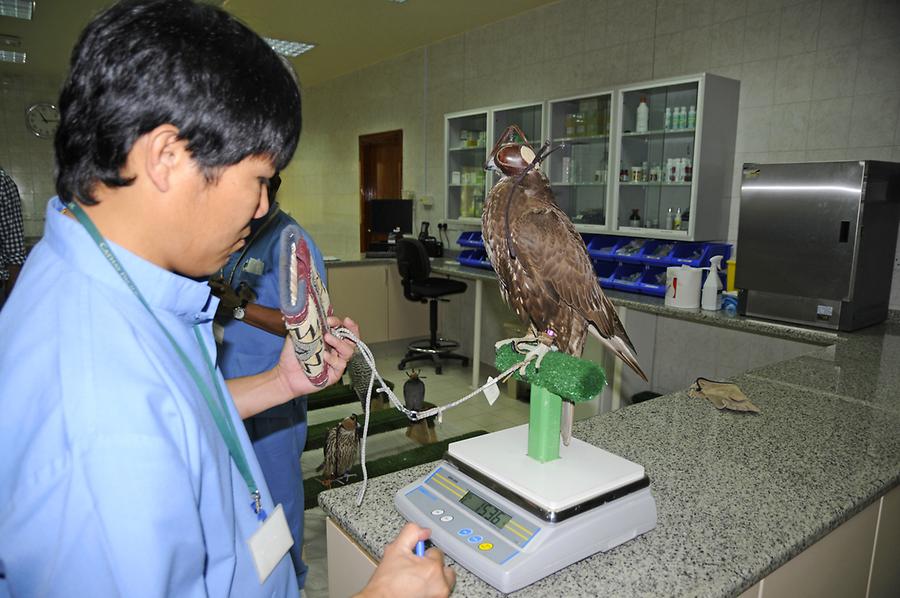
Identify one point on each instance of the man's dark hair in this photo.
(144, 63)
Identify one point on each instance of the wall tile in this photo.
(882, 19)
(799, 28)
(668, 55)
(874, 119)
(671, 16)
(787, 157)
(794, 78)
(826, 155)
(841, 23)
(835, 72)
(563, 29)
(753, 129)
(727, 44)
(631, 20)
(829, 123)
(698, 13)
(761, 35)
(755, 6)
(696, 49)
(726, 10)
(878, 72)
(789, 127)
(872, 153)
(758, 83)
(596, 22)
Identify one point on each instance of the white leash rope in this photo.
(344, 333)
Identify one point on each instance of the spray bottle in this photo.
(710, 295)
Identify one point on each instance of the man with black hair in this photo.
(125, 468)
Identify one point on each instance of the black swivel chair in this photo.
(415, 268)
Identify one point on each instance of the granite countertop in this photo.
(738, 495)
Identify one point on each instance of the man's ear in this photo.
(164, 154)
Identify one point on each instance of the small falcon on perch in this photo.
(541, 261)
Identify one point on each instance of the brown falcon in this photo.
(541, 261)
(341, 447)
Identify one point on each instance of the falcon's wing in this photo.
(551, 250)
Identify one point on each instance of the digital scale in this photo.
(512, 520)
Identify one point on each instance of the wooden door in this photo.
(380, 176)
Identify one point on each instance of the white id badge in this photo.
(270, 543)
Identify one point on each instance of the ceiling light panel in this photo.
(17, 9)
(10, 56)
(286, 48)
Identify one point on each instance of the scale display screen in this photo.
(486, 510)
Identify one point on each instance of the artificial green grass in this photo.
(336, 394)
(571, 378)
(383, 420)
(379, 467)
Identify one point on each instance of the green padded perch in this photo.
(561, 377)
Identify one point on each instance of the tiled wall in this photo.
(820, 80)
(27, 158)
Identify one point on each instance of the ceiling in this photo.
(350, 34)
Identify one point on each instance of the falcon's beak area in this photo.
(491, 164)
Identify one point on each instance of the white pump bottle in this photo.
(709, 299)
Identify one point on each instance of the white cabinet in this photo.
(673, 174)
(468, 137)
(579, 171)
(466, 145)
(668, 178)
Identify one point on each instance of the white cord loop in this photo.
(344, 333)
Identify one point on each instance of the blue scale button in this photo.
(464, 531)
(475, 539)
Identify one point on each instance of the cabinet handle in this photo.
(845, 231)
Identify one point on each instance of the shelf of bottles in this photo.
(655, 175)
(529, 118)
(467, 147)
(579, 169)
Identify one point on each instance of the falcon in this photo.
(340, 450)
(541, 261)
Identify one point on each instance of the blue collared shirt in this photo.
(114, 479)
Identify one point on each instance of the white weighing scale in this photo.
(512, 520)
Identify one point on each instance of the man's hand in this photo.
(337, 353)
(228, 297)
(403, 574)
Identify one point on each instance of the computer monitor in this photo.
(384, 215)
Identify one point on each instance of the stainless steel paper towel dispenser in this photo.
(816, 242)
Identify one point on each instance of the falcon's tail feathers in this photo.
(622, 348)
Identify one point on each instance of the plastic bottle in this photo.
(635, 219)
(682, 120)
(670, 219)
(643, 116)
(692, 117)
(710, 296)
(676, 224)
(667, 124)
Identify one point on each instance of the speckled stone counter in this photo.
(738, 495)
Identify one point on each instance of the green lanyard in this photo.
(219, 409)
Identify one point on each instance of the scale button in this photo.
(464, 531)
(475, 539)
(437, 512)
(485, 546)
(447, 518)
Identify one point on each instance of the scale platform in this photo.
(512, 521)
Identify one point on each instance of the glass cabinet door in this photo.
(655, 171)
(528, 118)
(467, 146)
(579, 169)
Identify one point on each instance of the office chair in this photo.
(415, 268)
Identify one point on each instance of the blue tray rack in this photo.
(471, 238)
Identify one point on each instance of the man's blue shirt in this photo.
(115, 479)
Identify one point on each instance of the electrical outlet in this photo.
(427, 201)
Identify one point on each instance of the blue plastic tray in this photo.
(604, 270)
(697, 254)
(604, 247)
(474, 258)
(471, 238)
(623, 273)
(651, 283)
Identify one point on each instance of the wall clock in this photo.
(42, 119)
